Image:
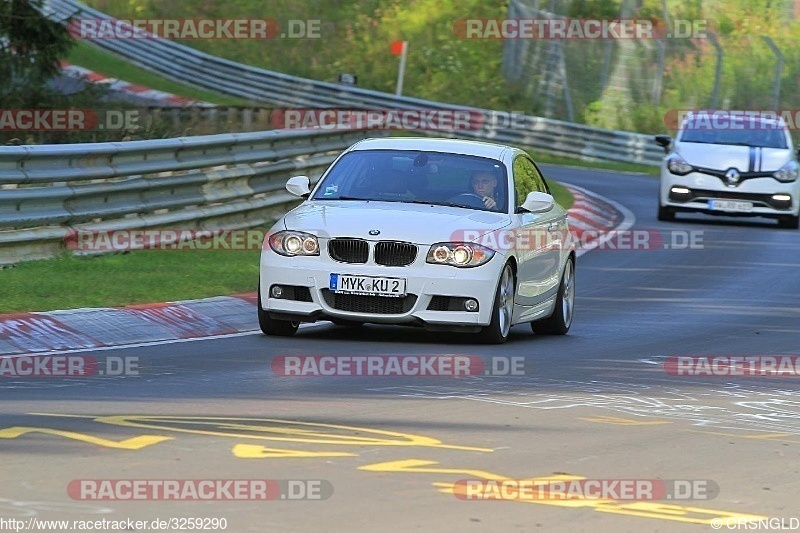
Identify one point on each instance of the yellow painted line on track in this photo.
(255, 451)
(260, 429)
(134, 443)
(421, 466)
(282, 430)
(775, 437)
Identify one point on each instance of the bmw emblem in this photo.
(374, 232)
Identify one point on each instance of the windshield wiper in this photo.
(450, 204)
(755, 145)
(423, 202)
(345, 198)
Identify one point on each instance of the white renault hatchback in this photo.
(440, 233)
(744, 167)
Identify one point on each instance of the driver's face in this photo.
(484, 184)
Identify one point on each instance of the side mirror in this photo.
(664, 141)
(537, 202)
(299, 186)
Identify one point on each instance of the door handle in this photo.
(552, 227)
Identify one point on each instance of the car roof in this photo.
(453, 146)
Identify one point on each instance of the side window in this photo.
(544, 186)
(526, 179)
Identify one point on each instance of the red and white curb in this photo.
(139, 91)
(77, 330)
(90, 329)
(593, 219)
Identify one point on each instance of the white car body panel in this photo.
(414, 223)
(728, 156)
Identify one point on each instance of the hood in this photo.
(414, 223)
(725, 156)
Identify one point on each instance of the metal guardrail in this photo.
(229, 181)
(193, 67)
(209, 120)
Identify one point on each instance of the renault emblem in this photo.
(374, 232)
(732, 177)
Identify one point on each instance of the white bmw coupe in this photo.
(445, 234)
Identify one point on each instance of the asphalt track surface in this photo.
(595, 404)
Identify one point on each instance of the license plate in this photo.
(368, 285)
(730, 205)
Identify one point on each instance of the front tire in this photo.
(789, 222)
(560, 321)
(498, 329)
(270, 326)
(666, 214)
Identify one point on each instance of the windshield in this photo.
(417, 177)
(766, 136)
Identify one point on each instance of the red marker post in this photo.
(400, 48)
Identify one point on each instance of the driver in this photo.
(484, 184)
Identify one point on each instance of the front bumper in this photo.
(434, 293)
(761, 192)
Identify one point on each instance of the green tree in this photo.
(30, 48)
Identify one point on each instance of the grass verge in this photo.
(561, 194)
(143, 276)
(101, 62)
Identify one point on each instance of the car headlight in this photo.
(677, 165)
(292, 243)
(459, 254)
(787, 172)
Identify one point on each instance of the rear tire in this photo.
(666, 214)
(560, 321)
(789, 222)
(498, 329)
(270, 326)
